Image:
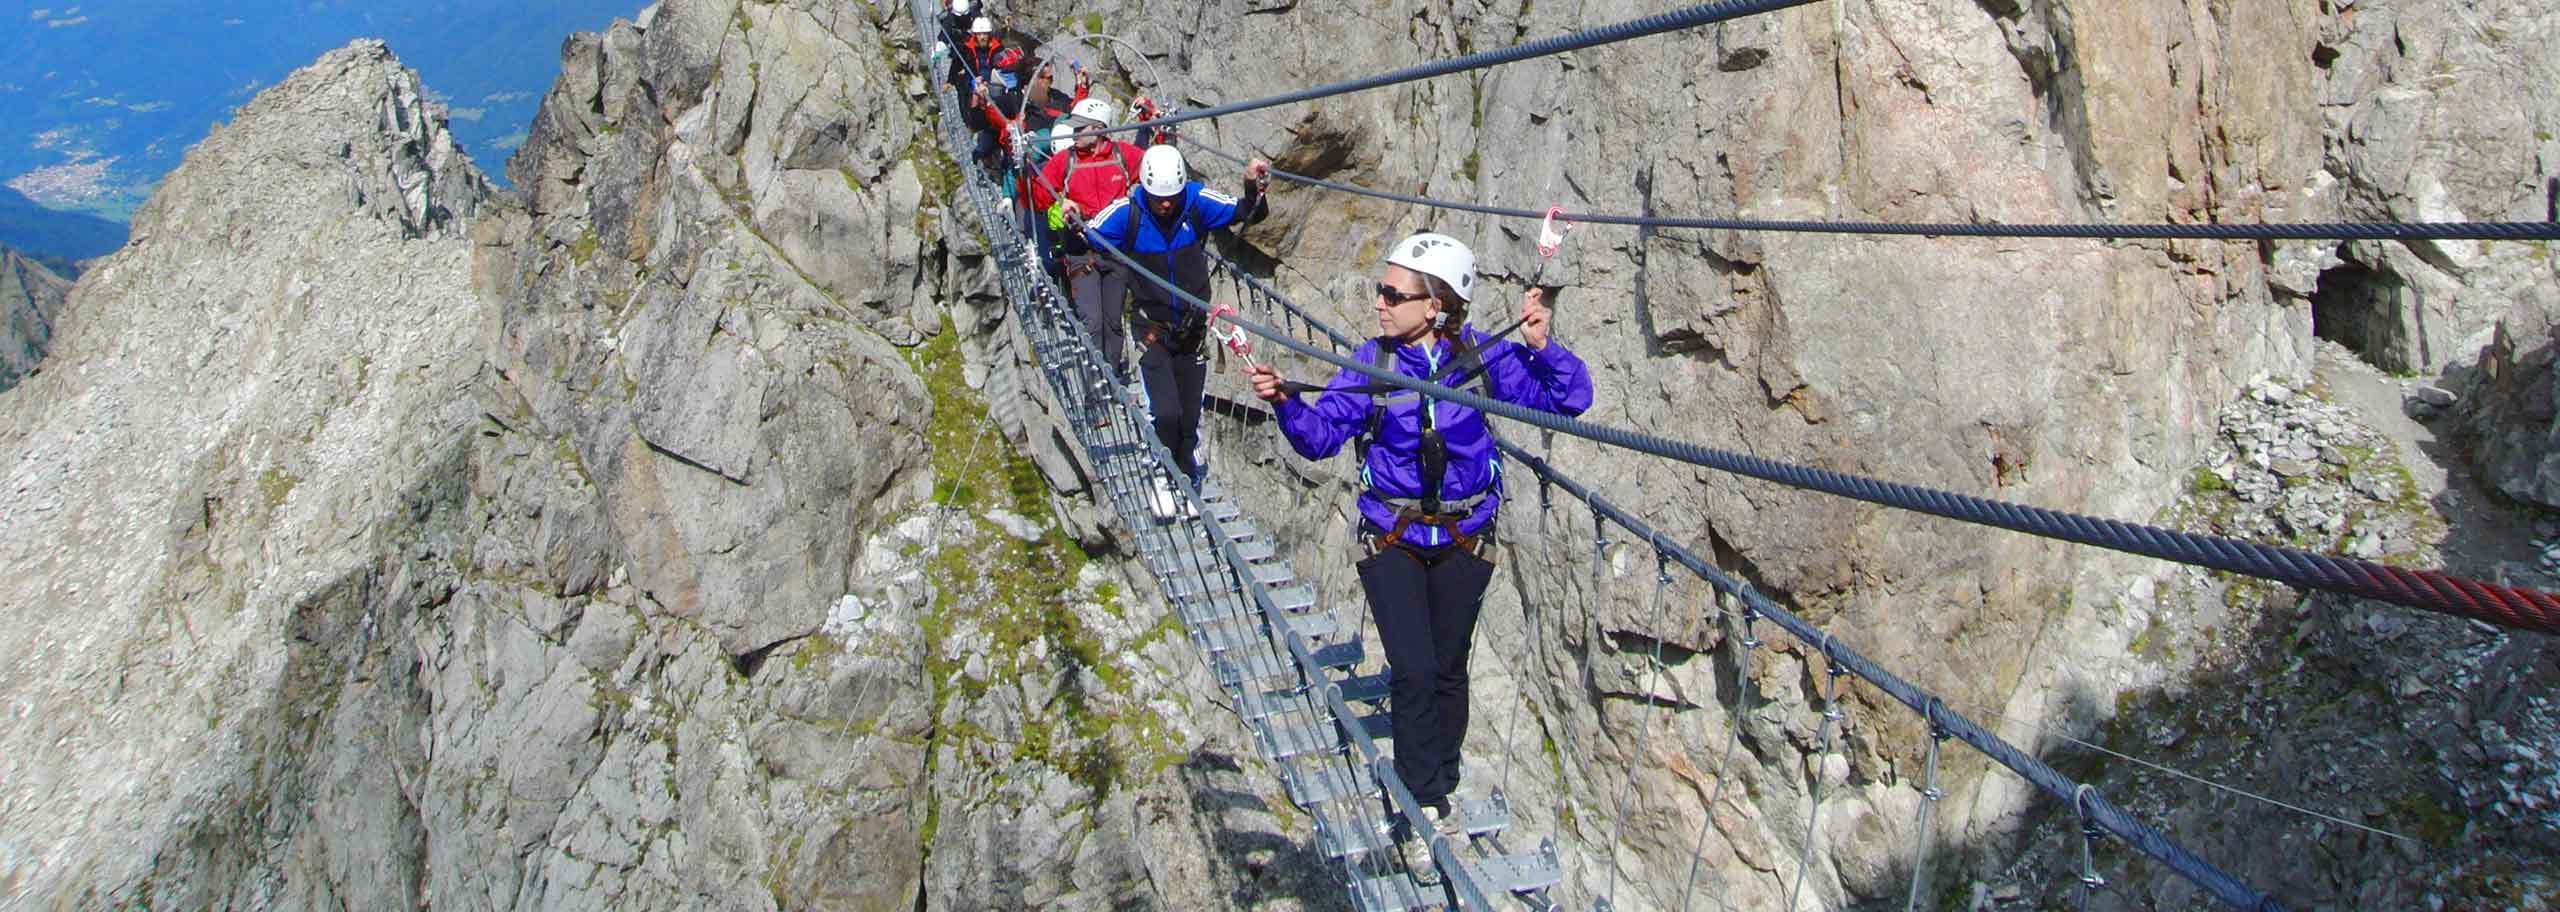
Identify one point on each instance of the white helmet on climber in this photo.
(1162, 171)
(1061, 136)
(982, 26)
(960, 7)
(1093, 109)
(1438, 256)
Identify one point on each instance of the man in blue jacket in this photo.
(1161, 224)
(1431, 488)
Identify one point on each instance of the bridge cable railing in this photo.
(2201, 231)
(1087, 388)
(2103, 815)
(2520, 608)
(1840, 661)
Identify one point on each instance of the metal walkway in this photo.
(1287, 663)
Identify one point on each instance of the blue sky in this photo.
(99, 99)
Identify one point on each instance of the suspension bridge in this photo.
(1290, 665)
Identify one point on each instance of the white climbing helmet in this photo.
(960, 7)
(1441, 257)
(1162, 172)
(1093, 109)
(982, 26)
(1061, 136)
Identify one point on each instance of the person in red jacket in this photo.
(1089, 176)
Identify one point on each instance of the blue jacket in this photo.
(1552, 380)
(1171, 250)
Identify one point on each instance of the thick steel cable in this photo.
(1459, 880)
(2506, 606)
(2044, 777)
(2101, 813)
(2106, 815)
(2206, 231)
(1676, 20)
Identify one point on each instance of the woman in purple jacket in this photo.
(1431, 484)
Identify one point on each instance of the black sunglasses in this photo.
(1396, 295)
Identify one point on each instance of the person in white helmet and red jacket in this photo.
(1431, 488)
(1093, 172)
(1162, 225)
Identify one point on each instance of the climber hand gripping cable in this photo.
(1551, 233)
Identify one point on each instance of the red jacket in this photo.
(1095, 179)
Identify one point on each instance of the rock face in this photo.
(2512, 415)
(227, 497)
(2078, 376)
(30, 295)
(389, 545)
(2427, 116)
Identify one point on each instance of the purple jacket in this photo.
(1549, 381)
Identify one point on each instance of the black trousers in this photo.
(1426, 604)
(1175, 382)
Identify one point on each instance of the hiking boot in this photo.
(1448, 823)
(1414, 848)
(1160, 500)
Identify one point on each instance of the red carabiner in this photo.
(1550, 237)
(1234, 337)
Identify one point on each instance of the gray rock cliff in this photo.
(651, 541)
(29, 296)
(224, 493)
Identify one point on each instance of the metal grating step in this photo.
(1253, 665)
(1364, 688)
(1255, 550)
(1345, 654)
(1293, 598)
(1242, 530)
(1380, 724)
(1485, 816)
(1288, 741)
(1222, 638)
(1521, 873)
(1188, 585)
(1274, 574)
(1390, 893)
(1318, 780)
(1267, 704)
(1344, 833)
(1314, 626)
(1223, 609)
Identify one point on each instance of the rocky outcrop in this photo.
(2428, 116)
(2511, 415)
(2425, 740)
(2072, 375)
(29, 297)
(654, 540)
(733, 226)
(231, 495)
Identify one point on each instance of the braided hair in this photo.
(1453, 317)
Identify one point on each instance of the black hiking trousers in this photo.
(1175, 381)
(1425, 602)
